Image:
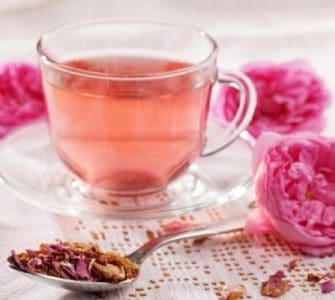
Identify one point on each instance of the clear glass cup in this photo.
(128, 101)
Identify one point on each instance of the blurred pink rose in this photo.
(295, 190)
(291, 97)
(21, 95)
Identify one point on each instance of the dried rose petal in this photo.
(111, 272)
(327, 286)
(332, 267)
(314, 277)
(54, 269)
(31, 252)
(292, 265)
(90, 265)
(150, 234)
(69, 270)
(75, 261)
(34, 263)
(82, 269)
(175, 226)
(235, 293)
(58, 247)
(252, 205)
(200, 241)
(277, 275)
(14, 259)
(275, 286)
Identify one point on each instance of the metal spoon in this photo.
(139, 255)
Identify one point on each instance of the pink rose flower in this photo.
(291, 97)
(21, 95)
(295, 190)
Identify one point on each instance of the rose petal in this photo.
(15, 260)
(82, 269)
(69, 269)
(265, 141)
(327, 286)
(257, 222)
(175, 226)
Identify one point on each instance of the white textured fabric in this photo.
(265, 30)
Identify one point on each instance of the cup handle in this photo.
(244, 112)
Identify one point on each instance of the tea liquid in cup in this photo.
(136, 134)
(128, 101)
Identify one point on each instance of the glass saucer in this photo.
(30, 169)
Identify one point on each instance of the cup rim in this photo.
(45, 58)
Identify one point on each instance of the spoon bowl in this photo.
(76, 285)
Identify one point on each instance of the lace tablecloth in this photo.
(183, 270)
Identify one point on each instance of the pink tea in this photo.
(129, 131)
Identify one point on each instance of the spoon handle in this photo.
(203, 230)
